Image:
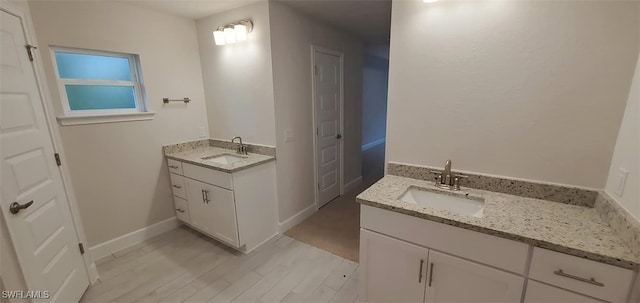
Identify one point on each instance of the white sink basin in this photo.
(225, 159)
(468, 206)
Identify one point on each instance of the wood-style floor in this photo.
(336, 226)
(185, 266)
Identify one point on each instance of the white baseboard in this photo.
(297, 218)
(106, 248)
(355, 183)
(374, 143)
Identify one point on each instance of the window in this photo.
(99, 86)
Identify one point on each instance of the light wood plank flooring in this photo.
(185, 266)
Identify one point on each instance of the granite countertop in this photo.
(194, 156)
(570, 229)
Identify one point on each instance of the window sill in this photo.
(109, 118)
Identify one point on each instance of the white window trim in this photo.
(78, 117)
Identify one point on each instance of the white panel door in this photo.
(391, 270)
(43, 234)
(543, 293)
(328, 125)
(452, 279)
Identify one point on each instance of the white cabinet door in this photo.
(543, 293)
(391, 270)
(222, 209)
(451, 279)
(199, 211)
(212, 210)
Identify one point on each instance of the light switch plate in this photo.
(201, 131)
(621, 180)
(288, 135)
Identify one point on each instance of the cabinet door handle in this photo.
(177, 186)
(430, 273)
(593, 281)
(206, 196)
(420, 274)
(202, 190)
(180, 210)
(173, 166)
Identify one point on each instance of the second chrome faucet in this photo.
(446, 179)
(241, 148)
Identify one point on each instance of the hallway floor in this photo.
(185, 266)
(336, 226)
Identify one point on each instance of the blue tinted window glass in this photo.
(87, 97)
(94, 67)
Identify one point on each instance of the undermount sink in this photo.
(225, 159)
(464, 205)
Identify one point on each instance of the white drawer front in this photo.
(178, 186)
(482, 248)
(174, 166)
(609, 282)
(182, 209)
(208, 175)
(543, 293)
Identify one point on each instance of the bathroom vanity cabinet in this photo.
(408, 259)
(238, 208)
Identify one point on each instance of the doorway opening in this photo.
(375, 81)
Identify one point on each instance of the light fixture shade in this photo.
(241, 32)
(218, 37)
(229, 35)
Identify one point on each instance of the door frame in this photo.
(314, 49)
(54, 134)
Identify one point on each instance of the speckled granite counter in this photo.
(195, 156)
(570, 229)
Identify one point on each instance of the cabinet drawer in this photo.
(543, 293)
(178, 187)
(482, 248)
(584, 276)
(182, 209)
(174, 166)
(208, 175)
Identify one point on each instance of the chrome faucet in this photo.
(447, 179)
(241, 149)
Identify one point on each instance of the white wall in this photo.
(375, 80)
(118, 169)
(238, 79)
(292, 35)
(527, 89)
(627, 152)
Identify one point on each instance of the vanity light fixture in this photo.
(429, 1)
(232, 32)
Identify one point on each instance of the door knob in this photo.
(16, 207)
(338, 136)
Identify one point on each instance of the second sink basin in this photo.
(464, 205)
(225, 158)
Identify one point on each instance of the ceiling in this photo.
(368, 19)
(192, 9)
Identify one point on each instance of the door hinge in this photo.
(315, 69)
(58, 161)
(317, 132)
(81, 246)
(30, 49)
(318, 186)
